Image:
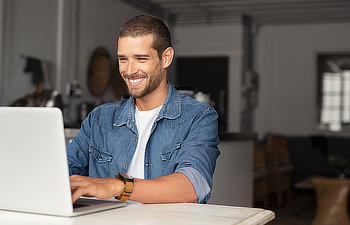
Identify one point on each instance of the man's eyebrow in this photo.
(143, 55)
(140, 55)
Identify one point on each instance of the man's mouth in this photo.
(135, 81)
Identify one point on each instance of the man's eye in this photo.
(122, 59)
(142, 59)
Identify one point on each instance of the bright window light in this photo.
(335, 100)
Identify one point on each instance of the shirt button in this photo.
(147, 164)
(135, 139)
(100, 158)
(125, 166)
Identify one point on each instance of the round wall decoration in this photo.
(99, 71)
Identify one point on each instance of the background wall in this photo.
(286, 63)
(26, 32)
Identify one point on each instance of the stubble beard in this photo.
(152, 83)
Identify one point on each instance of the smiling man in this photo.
(158, 146)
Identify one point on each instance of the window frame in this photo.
(327, 64)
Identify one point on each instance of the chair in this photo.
(260, 195)
(280, 169)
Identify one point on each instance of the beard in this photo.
(152, 82)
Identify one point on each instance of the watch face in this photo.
(126, 177)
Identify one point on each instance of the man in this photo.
(166, 140)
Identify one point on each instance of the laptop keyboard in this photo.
(77, 205)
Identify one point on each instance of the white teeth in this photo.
(135, 80)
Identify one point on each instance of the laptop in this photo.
(33, 165)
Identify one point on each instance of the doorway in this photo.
(208, 75)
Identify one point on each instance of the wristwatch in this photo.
(129, 184)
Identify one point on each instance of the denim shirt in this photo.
(184, 139)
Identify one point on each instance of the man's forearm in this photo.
(170, 188)
(166, 189)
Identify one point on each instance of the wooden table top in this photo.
(168, 214)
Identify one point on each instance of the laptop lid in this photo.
(33, 168)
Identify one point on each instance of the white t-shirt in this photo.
(144, 123)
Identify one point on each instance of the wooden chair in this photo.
(260, 195)
(280, 168)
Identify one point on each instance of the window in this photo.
(334, 92)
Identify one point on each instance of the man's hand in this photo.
(95, 187)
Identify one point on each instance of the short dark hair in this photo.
(144, 25)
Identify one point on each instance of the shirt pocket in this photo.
(100, 156)
(166, 156)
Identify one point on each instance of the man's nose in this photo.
(131, 67)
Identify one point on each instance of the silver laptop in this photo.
(33, 165)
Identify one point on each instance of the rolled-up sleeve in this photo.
(199, 183)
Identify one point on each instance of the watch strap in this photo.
(129, 185)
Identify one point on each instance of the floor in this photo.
(299, 211)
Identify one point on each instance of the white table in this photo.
(152, 214)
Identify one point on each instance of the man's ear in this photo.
(167, 57)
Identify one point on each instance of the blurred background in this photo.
(277, 72)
